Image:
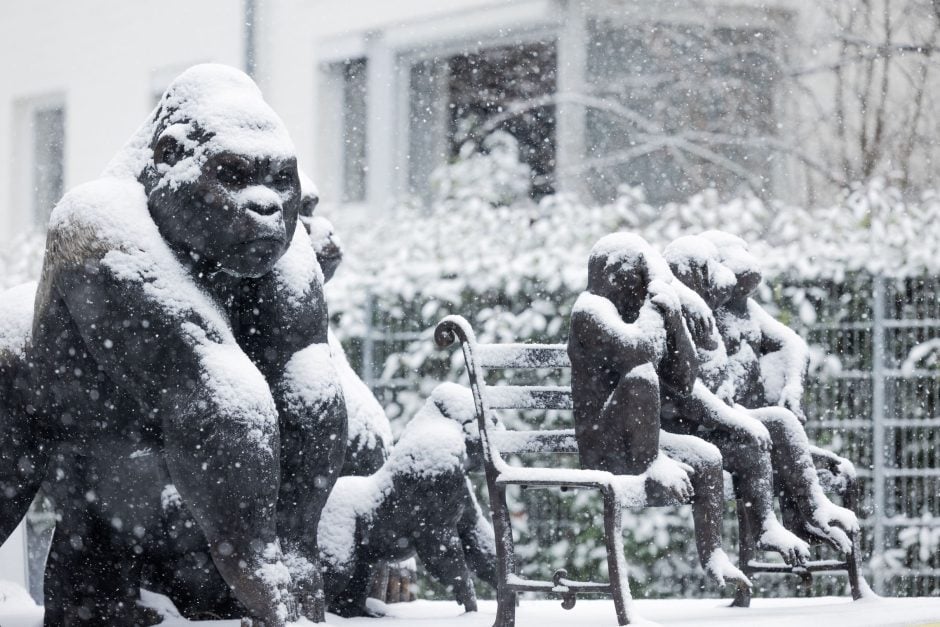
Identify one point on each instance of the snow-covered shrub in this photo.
(490, 171)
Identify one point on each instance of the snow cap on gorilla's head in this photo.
(732, 251)
(691, 252)
(209, 108)
(735, 256)
(617, 250)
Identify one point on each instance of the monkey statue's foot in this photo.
(667, 481)
(830, 524)
(775, 537)
(719, 567)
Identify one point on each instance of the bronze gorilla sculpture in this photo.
(180, 314)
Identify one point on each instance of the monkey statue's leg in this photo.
(440, 550)
(312, 415)
(351, 600)
(624, 438)
(476, 535)
(707, 503)
(753, 474)
(802, 499)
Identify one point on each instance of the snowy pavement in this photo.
(17, 610)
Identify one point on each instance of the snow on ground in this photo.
(17, 610)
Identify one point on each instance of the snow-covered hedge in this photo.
(514, 272)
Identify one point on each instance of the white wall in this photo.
(103, 56)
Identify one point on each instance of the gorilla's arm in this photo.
(599, 330)
(793, 355)
(156, 335)
(704, 407)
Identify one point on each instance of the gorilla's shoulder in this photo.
(98, 216)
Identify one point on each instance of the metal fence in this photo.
(879, 407)
(867, 401)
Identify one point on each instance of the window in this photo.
(354, 123)
(467, 96)
(689, 108)
(48, 159)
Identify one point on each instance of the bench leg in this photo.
(616, 560)
(742, 596)
(505, 598)
(850, 501)
(851, 561)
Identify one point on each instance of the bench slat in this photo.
(527, 397)
(521, 442)
(523, 355)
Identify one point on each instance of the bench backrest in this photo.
(481, 357)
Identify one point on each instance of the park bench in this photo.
(617, 491)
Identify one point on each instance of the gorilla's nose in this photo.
(264, 209)
(260, 200)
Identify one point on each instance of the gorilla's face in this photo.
(627, 287)
(238, 215)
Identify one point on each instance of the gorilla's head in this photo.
(620, 268)
(221, 177)
(695, 261)
(736, 257)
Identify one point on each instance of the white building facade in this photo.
(375, 94)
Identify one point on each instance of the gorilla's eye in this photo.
(283, 179)
(232, 174)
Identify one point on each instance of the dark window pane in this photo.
(355, 119)
(484, 85)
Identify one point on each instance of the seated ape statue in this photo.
(768, 362)
(627, 342)
(709, 411)
(180, 313)
(419, 503)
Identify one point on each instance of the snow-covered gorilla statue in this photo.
(180, 314)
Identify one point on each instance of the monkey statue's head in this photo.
(221, 178)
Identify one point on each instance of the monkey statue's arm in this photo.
(598, 328)
(792, 353)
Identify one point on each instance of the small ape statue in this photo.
(420, 503)
(627, 343)
(768, 363)
(709, 411)
(180, 314)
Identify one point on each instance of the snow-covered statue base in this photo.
(179, 336)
